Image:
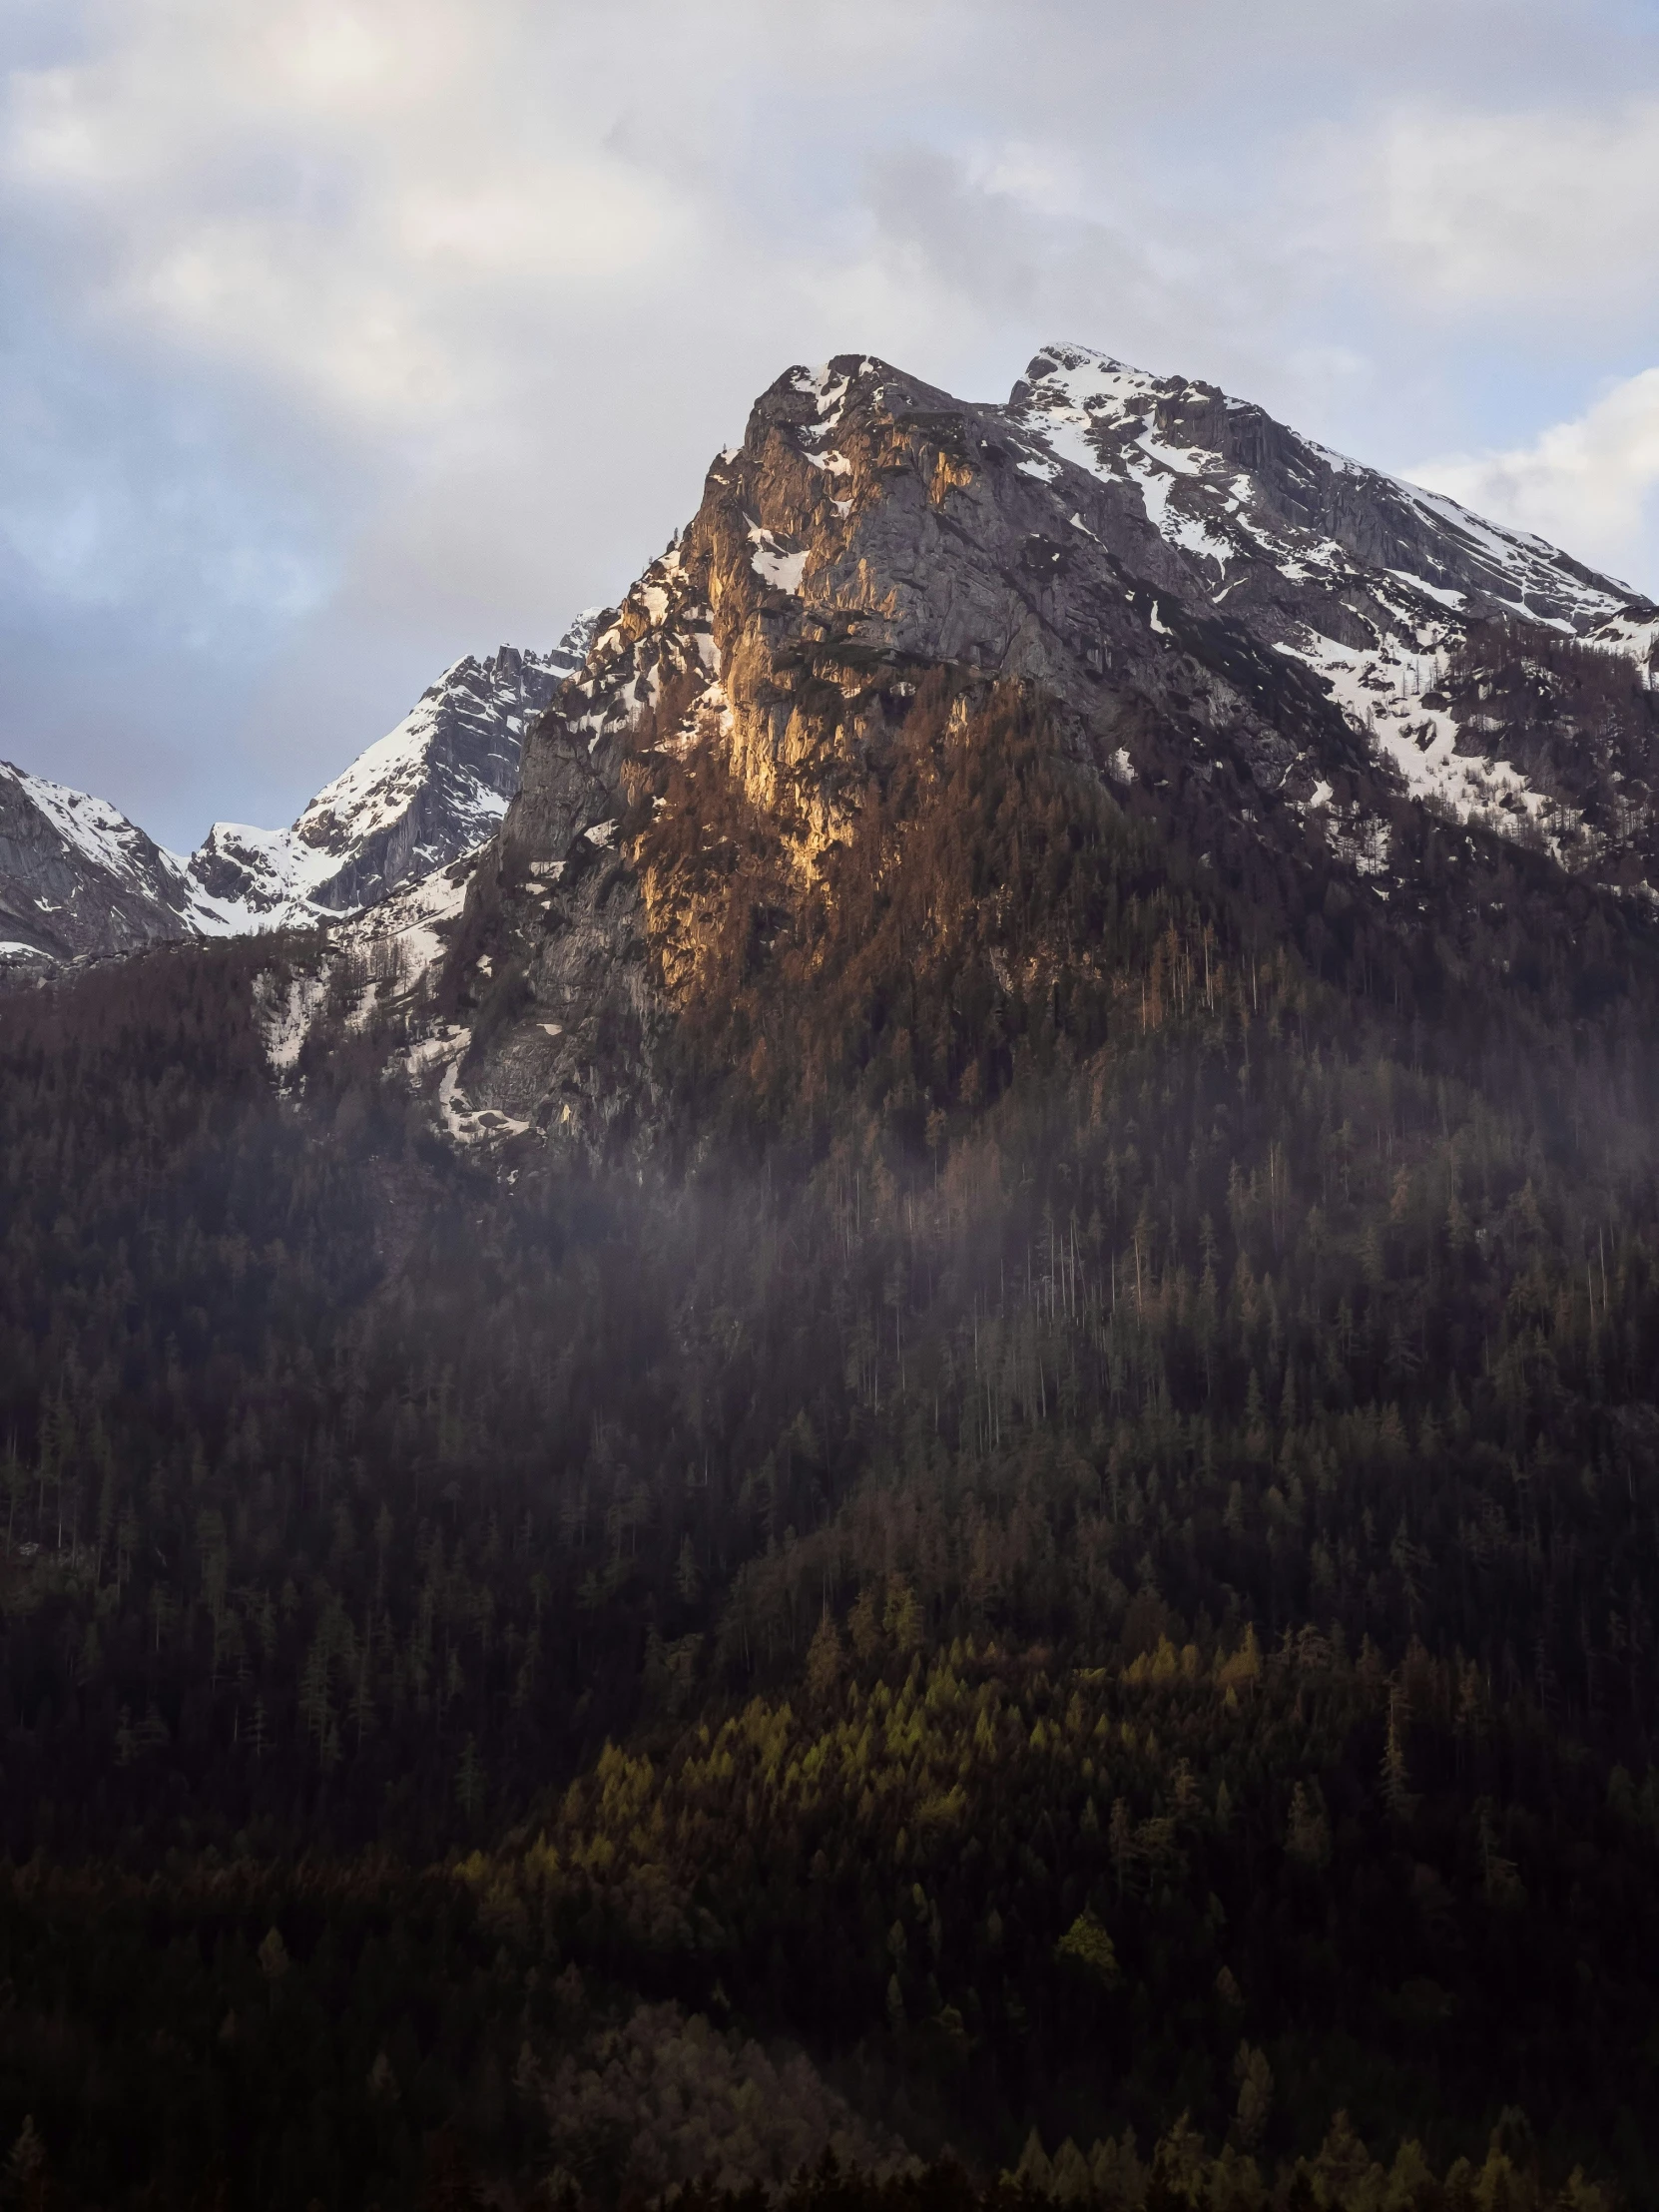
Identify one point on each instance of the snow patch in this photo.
(408, 933)
(465, 1122)
(286, 1022)
(782, 570)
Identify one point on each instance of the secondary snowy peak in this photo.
(251, 879)
(1221, 478)
(428, 792)
(76, 877)
(1373, 583)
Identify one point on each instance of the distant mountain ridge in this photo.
(1130, 545)
(77, 878)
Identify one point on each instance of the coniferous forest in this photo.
(1056, 1597)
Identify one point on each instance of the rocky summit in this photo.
(1346, 699)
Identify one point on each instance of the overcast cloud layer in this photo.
(337, 340)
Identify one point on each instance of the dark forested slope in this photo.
(1113, 1521)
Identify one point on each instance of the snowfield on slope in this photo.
(1121, 425)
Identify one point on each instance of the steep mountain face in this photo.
(1260, 652)
(76, 877)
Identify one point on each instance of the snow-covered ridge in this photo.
(1120, 422)
(76, 877)
(1384, 577)
(92, 826)
(379, 786)
(431, 789)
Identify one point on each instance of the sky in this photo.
(342, 337)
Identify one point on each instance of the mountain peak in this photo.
(1275, 656)
(1091, 379)
(1144, 551)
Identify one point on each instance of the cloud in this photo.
(1532, 208)
(338, 201)
(1587, 484)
